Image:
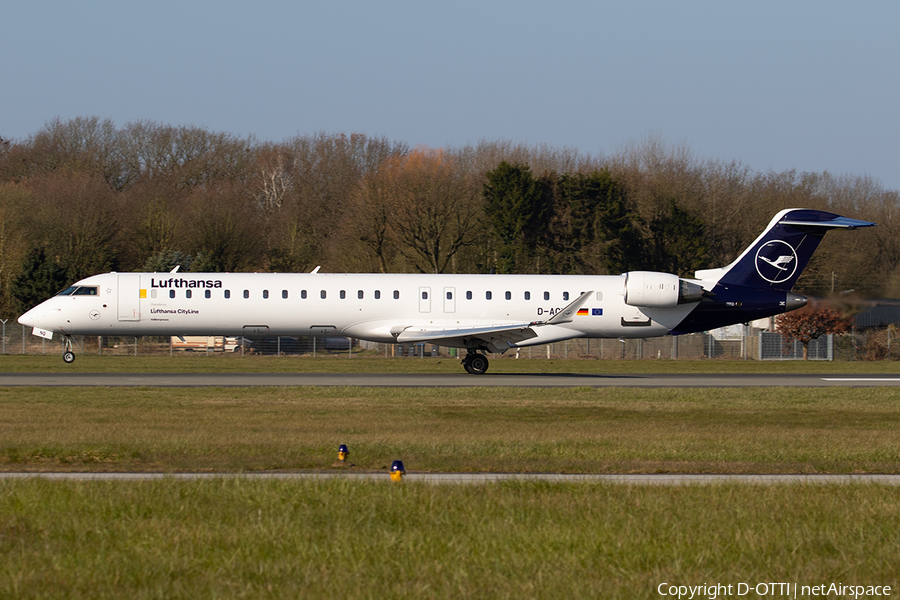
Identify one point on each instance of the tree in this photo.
(808, 324)
(225, 231)
(15, 201)
(594, 225)
(166, 260)
(516, 211)
(677, 242)
(433, 209)
(39, 279)
(75, 220)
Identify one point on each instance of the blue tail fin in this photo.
(778, 256)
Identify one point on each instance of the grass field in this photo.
(726, 430)
(336, 539)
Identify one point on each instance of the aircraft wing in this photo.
(497, 338)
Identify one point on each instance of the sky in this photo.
(773, 85)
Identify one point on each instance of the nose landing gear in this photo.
(68, 353)
(475, 363)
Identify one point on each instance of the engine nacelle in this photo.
(647, 289)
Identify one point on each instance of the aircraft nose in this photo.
(30, 318)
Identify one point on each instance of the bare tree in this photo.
(433, 209)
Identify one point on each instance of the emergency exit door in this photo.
(129, 295)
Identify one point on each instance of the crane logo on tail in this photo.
(776, 261)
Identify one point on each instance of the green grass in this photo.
(339, 539)
(608, 430)
(231, 363)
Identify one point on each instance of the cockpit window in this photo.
(79, 290)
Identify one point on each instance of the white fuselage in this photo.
(366, 306)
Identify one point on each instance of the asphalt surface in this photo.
(440, 380)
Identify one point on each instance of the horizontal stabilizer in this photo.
(778, 256)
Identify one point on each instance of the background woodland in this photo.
(83, 196)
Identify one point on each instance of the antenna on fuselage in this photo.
(175, 270)
(316, 270)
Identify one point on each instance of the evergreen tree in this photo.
(166, 260)
(595, 228)
(41, 277)
(516, 211)
(677, 242)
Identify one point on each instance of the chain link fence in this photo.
(873, 344)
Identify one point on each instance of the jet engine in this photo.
(647, 289)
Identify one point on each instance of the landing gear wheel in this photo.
(476, 364)
(68, 354)
(479, 364)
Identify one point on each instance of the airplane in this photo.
(477, 313)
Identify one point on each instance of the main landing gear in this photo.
(475, 363)
(68, 353)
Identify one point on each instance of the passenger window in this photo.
(528, 295)
(359, 294)
(565, 295)
(424, 295)
(546, 295)
(509, 295)
(246, 293)
(207, 294)
(468, 295)
(266, 294)
(599, 295)
(284, 294)
(343, 294)
(171, 293)
(322, 294)
(228, 293)
(487, 295)
(187, 293)
(378, 294)
(449, 295)
(396, 294)
(153, 293)
(303, 294)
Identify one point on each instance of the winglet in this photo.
(568, 313)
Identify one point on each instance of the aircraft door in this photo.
(129, 297)
(425, 299)
(449, 299)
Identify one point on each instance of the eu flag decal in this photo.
(596, 312)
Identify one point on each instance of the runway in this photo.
(543, 380)
(664, 479)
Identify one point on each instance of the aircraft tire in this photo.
(69, 356)
(477, 364)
